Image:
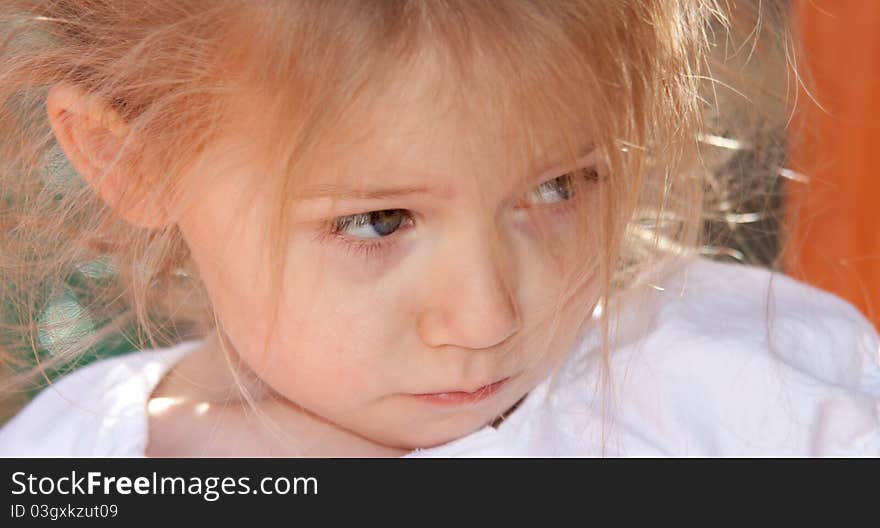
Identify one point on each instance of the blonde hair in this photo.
(656, 82)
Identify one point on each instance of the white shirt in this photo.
(718, 360)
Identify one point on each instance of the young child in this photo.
(405, 228)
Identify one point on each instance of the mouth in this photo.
(459, 397)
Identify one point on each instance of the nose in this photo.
(470, 303)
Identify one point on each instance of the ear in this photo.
(92, 134)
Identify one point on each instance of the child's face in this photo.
(453, 288)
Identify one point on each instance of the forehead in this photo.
(425, 126)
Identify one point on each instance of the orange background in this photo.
(835, 221)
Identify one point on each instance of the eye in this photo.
(562, 188)
(375, 224)
(552, 191)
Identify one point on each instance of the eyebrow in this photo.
(347, 192)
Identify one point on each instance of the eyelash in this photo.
(366, 247)
(380, 246)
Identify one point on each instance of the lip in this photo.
(459, 397)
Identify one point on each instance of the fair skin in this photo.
(453, 288)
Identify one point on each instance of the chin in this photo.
(426, 436)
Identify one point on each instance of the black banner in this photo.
(111, 490)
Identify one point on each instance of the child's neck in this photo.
(202, 415)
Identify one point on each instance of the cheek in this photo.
(558, 291)
(234, 279)
(335, 337)
(326, 370)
